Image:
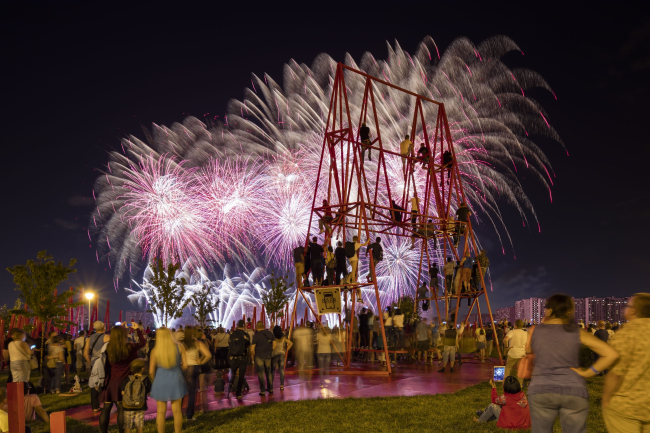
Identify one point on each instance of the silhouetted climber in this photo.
(433, 275)
(448, 163)
(364, 134)
(462, 215)
(405, 149)
(423, 155)
(323, 223)
(396, 212)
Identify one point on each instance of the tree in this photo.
(276, 297)
(36, 281)
(5, 313)
(405, 304)
(168, 291)
(204, 305)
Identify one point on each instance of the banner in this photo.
(328, 300)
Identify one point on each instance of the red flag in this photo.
(96, 313)
(107, 318)
(2, 342)
(120, 316)
(263, 317)
(254, 316)
(11, 323)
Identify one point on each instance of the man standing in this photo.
(516, 340)
(626, 400)
(377, 256)
(317, 254)
(341, 263)
(299, 263)
(364, 134)
(354, 260)
(92, 352)
(450, 343)
(363, 329)
(261, 352)
(448, 163)
(405, 149)
(239, 342)
(422, 331)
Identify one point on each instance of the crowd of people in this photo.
(125, 364)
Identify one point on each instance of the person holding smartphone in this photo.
(509, 409)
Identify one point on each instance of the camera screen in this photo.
(499, 373)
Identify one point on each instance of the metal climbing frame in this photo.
(351, 187)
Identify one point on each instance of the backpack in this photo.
(135, 393)
(349, 249)
(238, 344)
(98, 373)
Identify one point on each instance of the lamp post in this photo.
(90, 297)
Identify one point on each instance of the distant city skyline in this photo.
(587, 310)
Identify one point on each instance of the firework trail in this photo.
(238, 193)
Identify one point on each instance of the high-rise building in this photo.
(530, 310)
(589, 310)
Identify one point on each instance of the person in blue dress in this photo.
(166, 367)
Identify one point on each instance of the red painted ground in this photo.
(407, 379)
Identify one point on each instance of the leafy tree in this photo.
(276, 297)
(5, 313)
(204, 305)
(36, 281)
(168, 292)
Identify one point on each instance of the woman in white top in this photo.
(354, 260)
(197, 354)
(19, 354)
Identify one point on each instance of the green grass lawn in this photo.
(440, 413)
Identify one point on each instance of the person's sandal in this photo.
(282, 388)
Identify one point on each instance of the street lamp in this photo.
(90, 297)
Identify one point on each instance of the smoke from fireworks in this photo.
(239, 193)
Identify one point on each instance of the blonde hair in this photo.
(165, 349)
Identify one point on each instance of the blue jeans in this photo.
(58, 373)
(491, 412)
(263, 366)
(277, 363)
(544, 408)
(192, 379)
(324, 360)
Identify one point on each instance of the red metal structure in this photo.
(360, 195)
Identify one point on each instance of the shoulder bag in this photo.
(525, 366)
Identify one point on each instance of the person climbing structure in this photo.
(448, 163)
(405, 149)
(364, 134)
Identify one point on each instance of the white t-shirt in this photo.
(323, 342)
(398, 320)
(79, 344)
(517, 342)
(449, 268)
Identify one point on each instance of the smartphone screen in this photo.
(499, 373)
(34, 346)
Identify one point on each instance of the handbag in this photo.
(33, 362)
(526, 364)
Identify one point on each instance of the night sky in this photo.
(78, 76)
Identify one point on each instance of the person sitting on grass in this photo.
(510, 409)
(33, 405)
(4, 416)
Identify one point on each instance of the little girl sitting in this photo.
(510, 409)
